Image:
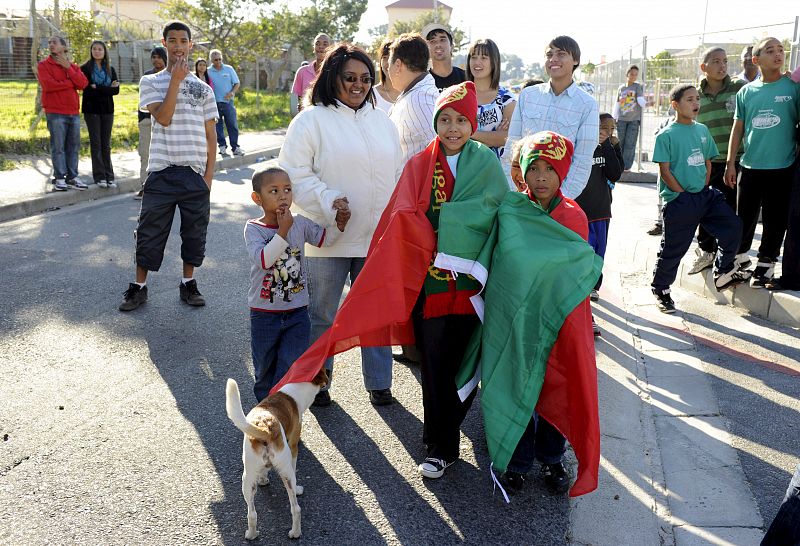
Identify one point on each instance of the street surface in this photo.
(114, 430)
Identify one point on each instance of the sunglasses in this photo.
(366, 80)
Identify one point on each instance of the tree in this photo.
(663, 65)
(80, 29)
(588, 69)
(513, 67)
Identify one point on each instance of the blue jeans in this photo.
(326, 279)
(628, 134)
(276, 341)
(540, 441)
(227, 115)
(65, 143)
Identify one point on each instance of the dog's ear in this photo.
(321, 379)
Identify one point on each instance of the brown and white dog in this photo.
(271, 434)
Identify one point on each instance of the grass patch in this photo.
(17, 99)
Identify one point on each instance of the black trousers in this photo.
(164, 190)
(707, 241)
(790, 278)
(99, 126)
(442, 342)
(767, 191)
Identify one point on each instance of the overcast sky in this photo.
(609, 28)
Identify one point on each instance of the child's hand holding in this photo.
(285, 221)
(342, 207)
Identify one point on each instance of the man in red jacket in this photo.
(60, 81)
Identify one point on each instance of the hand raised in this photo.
(180, 70)
(285, 220)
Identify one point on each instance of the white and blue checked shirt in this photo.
(573, 114)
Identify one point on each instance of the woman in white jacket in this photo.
(341, 151)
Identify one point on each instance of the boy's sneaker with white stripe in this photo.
(664, 300)
(731, 278)
(60, 185)
(763, 273)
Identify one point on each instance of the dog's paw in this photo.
(294, 533)
(263, 479)
(298, 489)
(251, 534)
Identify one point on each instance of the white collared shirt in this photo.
(412, 114)
(573, 114)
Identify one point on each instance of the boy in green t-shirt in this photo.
(683, 151)
(717, 106)
(767, 112)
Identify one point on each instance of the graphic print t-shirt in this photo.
(491, 115)
(629, 109)
(770, 112)
(685, 147)
(280, 285)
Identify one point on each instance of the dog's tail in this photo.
(233, 405)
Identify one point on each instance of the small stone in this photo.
(5, 437)
(616, 497)
(61, 407)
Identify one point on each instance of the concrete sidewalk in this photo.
(28, 190)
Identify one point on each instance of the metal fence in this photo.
(666, 61)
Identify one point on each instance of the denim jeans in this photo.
(276, 341)
(326, 279)
(227, 115)
(628, 134)
(65, 143)
(540, 441)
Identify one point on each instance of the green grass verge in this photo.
(17, 100)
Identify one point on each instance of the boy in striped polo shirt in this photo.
(183, 149)
(717, 106)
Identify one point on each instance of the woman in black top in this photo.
(98, 112)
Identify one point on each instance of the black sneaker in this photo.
(513, 482)
(763, 273)
(133, 297)
(191, 295)
(433, 468)
(731, 278)
(656, 230)
(322, 399)
(556, 477)
(664, 300)
(381, 397)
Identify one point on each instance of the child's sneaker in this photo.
(60, 185)
(556, 478)
(703, 261)
(732, 277)
(664, 300)
(433, 468)
(594, 295)
(103, 183)
(656, 230)
(112, 184)
(191, 295)
(133, 297)
(763, 273)
(223, 150)
(596, 329)
(77, 183)
(742, 261)
(238, 151)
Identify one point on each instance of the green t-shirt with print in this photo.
(770, 112)
(686, 147)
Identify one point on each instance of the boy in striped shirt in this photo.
(717, 106)
(183, 149)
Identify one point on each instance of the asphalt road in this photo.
(114, 429)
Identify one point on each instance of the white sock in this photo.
(185, 280)
(141, 284)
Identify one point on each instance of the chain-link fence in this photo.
(664, 62)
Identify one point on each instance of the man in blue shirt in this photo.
(225, 83)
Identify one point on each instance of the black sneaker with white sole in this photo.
(731, 278)
(763, 273)
(742, 261)
(433, 468)
(664, 300)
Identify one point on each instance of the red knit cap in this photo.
(463, 99)
(552, 147)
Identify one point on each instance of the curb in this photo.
(639, 177)
(56, 200)
(782, 307)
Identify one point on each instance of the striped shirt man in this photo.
(412, 114)
(183, 141)
(716, 113)
(573, 114)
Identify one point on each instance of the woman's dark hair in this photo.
(324, 90)
(383, 51)
(205, 76)
(489, 48)
(565, 43)
(412, 50)
(177, 25)
(104, 63)
(677, 92)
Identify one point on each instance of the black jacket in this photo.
(99, 100)
(595, 199)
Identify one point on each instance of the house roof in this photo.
(417, 4)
